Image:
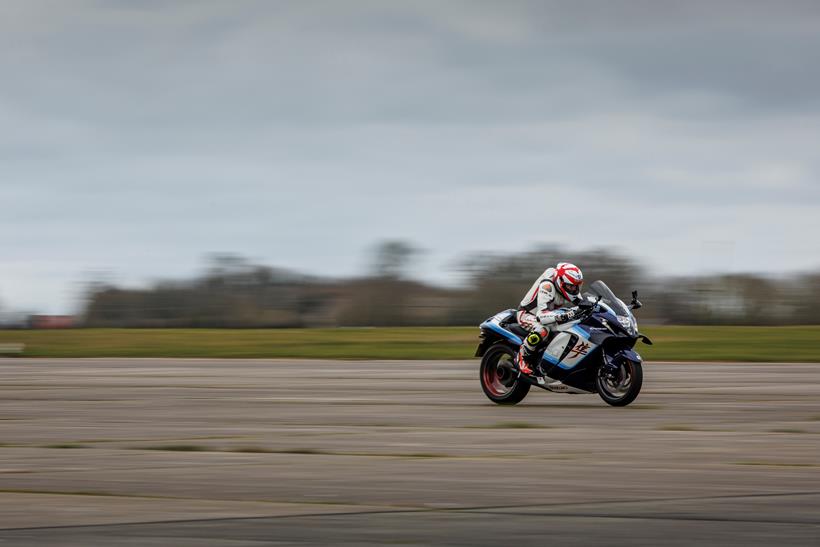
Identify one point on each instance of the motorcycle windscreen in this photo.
(599, 288)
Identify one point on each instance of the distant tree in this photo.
(804, 296)
(392, 259)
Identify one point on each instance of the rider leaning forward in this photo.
(543, 307)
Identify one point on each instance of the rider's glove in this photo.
(586, 305)
(565, 316)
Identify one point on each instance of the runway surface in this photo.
(229, 452)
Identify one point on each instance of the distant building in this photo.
(52, 321)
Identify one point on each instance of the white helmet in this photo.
(568, 280)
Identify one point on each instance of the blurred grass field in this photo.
(672, 343)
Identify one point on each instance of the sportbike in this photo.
(591, 354)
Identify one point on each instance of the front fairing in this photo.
(604, 324)
(612, 313)
(608, 321)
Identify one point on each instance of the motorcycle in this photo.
(591, 354)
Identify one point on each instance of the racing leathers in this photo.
(540, 311)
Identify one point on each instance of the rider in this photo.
(540, 310)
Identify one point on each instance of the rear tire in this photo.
(626, 387)
(494, 380)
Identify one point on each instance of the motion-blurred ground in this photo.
(328, 452)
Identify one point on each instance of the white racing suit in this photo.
(538, 314)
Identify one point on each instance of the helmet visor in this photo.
(572, 289)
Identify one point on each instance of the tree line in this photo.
(233, 292)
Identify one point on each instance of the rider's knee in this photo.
(537, 337)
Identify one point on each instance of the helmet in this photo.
(568, 279)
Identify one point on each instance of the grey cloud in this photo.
(321, 63)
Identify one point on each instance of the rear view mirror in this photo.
(635, 304)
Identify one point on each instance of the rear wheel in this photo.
(620, 386)
(499, 376)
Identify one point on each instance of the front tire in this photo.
(499, 383)
(622, 386)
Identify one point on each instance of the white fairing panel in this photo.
(557, 346)
(576, 354)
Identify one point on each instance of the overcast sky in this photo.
(138, 136)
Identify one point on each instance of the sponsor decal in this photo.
(580, 349)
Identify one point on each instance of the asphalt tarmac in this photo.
(275, 452)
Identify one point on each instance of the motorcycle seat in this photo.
(518, 330)
(512, 325)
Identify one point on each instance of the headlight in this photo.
(629, 324)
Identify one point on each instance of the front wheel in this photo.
(621, 386)
(499, 378)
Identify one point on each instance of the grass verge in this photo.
(672, 343)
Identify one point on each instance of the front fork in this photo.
(610, 367)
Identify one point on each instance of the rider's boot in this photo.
(521, 362)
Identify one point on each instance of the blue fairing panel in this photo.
(502, 331)
(551, 360)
